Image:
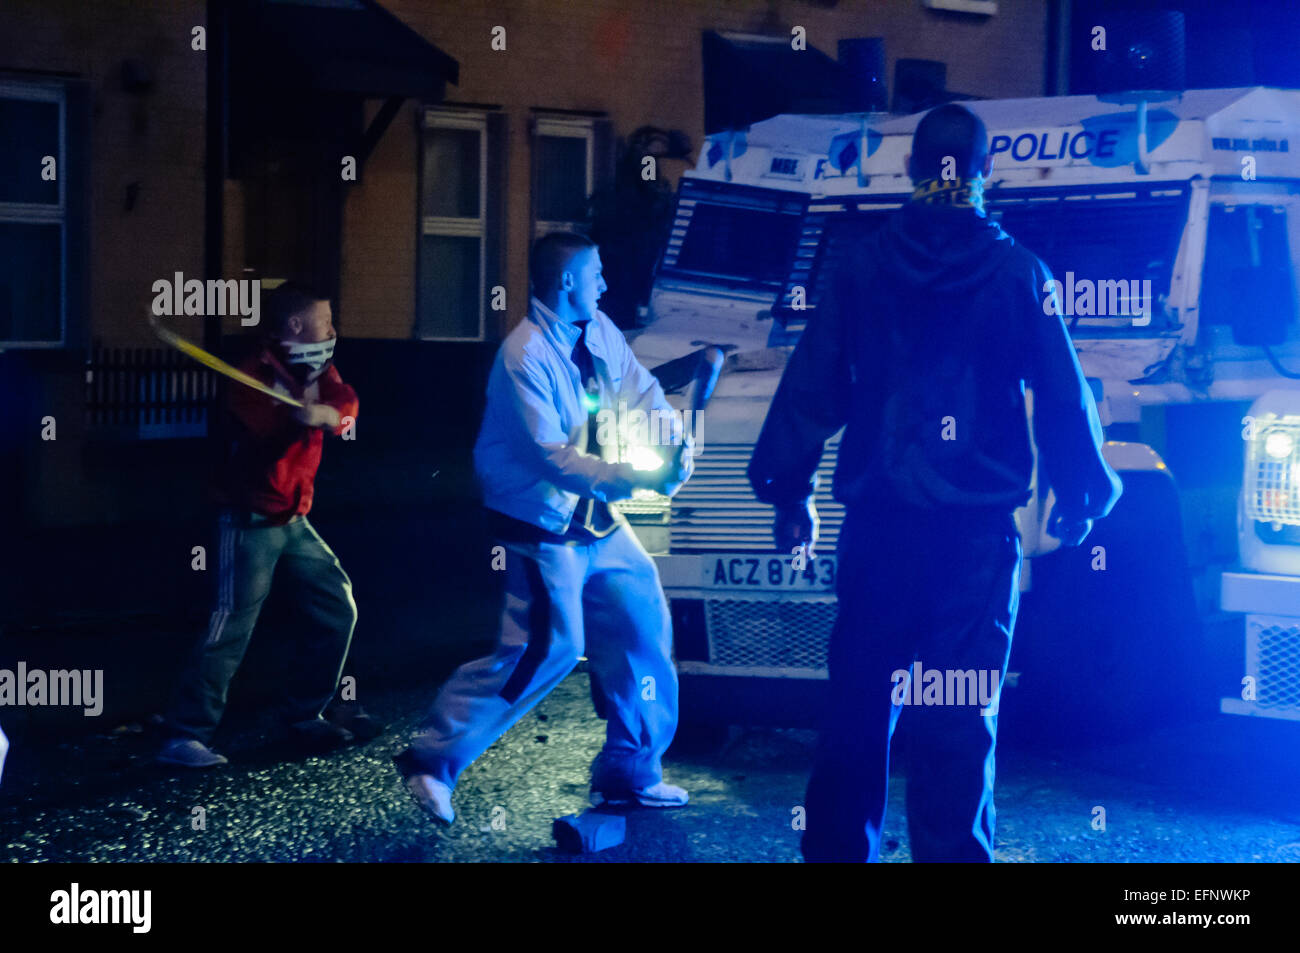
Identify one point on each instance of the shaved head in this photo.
(567, 275)
(551, 256)
(949, 130)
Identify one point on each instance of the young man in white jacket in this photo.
(578, 582)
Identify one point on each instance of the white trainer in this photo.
(189, 753)
(657, 795)
(432, 796)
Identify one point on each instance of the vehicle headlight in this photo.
(1279, 445)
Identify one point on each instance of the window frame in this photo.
(562, 127)
(39, 213)
(433, 117)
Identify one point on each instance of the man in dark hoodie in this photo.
(922, 350)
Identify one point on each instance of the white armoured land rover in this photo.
(1172, 228)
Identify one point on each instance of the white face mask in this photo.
(314, 356)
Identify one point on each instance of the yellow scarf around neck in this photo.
(958, 193)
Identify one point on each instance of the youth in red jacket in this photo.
(275, 448)
(266, 487)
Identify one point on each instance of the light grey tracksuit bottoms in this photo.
(601, 599)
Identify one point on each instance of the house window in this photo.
(454, 234)
(33, 216)
(563, 172)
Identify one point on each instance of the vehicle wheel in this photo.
(1106, 652)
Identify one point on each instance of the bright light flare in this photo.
(643, 458)
(1279, 445)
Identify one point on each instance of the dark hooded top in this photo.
(922, 349)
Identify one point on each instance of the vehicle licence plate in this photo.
(770, 572)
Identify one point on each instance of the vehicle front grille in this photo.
(764, 633)
(715, 511)
(1273, 658)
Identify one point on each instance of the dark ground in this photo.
(1208, 788)
(101, 800)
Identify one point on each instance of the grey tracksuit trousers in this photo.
(250, 552)
(601, 599)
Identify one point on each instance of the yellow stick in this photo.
(218, 365)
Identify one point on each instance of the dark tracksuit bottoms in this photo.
(898, 603)
(250, 552)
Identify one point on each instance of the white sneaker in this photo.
(432, 796)
(189, 753)
(657, 795)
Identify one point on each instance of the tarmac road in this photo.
(102, 800)
(1213, 788)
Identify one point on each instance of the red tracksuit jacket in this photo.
(271, 468)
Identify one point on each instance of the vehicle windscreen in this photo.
(734, 236)
(1113, 253)
(1247, 282)
(831, 232)
(748, 244)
